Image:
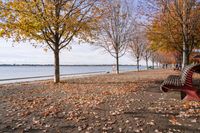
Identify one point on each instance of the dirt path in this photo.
(130, 102)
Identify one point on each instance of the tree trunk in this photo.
(185, 55)
(138, 67)
(147, 65)
(185, 40)
(153, 63)
(56, 67)
(185, 36)
(117, 62)
(184, 62)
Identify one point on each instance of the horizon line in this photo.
(67, 65)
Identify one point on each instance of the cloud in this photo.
(25, 53)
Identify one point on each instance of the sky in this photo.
(25, 53)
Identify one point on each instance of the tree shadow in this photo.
(154, 87)
(93, 82)
(184, 128)
(145, 112)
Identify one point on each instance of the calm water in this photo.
(11, 72)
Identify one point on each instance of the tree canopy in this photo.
(53, 22)
(175, 27)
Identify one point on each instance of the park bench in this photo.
(183, 83)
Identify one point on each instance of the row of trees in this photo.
(108, 24)
(55, 23)
(120, 32)
(174, 27)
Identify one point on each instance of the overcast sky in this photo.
(25, 53)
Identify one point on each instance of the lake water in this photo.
(9, 73)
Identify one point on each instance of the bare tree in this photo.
(147, 54)
(113, 35)
(153, 57)
(137, 44)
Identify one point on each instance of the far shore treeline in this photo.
(165, 32)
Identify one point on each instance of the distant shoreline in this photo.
(60, 65)
(31, 72)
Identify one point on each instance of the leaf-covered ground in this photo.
(129, 102)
